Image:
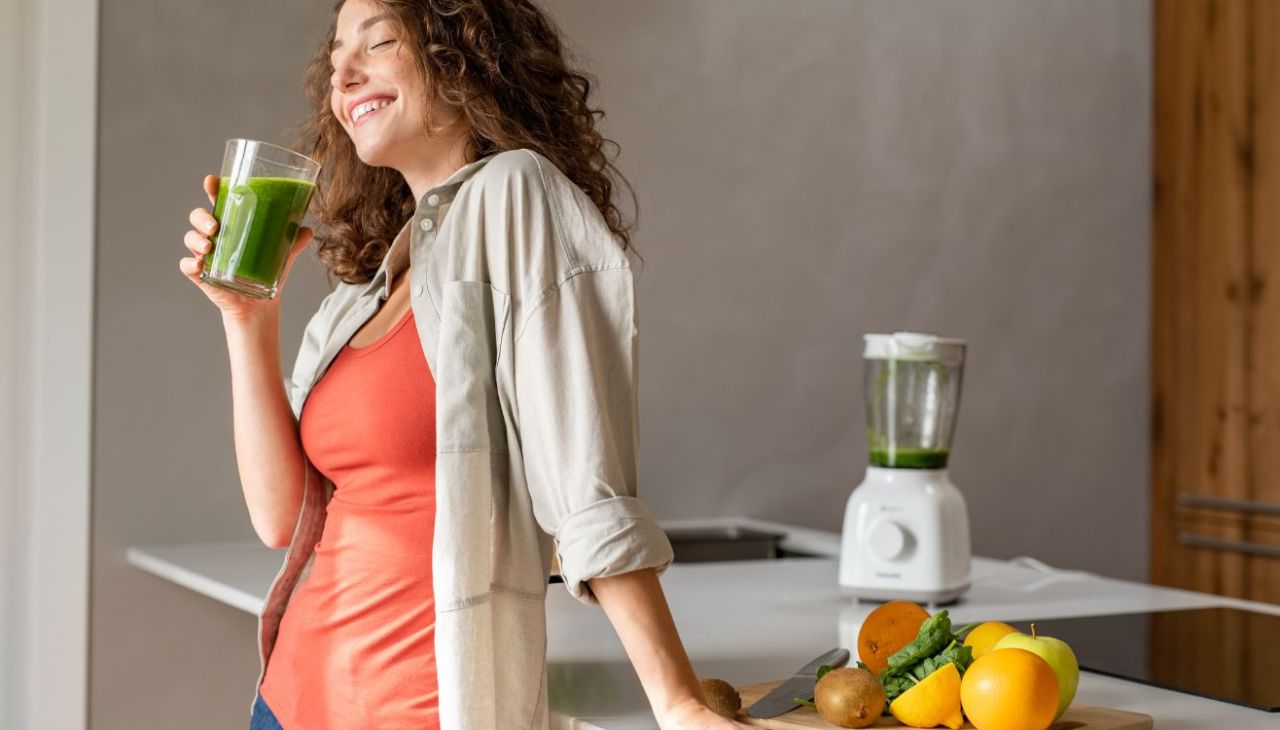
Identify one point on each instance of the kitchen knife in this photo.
(782, 699)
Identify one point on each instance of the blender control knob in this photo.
(887, 540)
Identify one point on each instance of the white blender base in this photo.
(937, 598)
(906, 536)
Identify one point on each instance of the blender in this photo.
(906, 528)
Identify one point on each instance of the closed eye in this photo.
(381, 43)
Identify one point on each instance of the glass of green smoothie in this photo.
(263, 193)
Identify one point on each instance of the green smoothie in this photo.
(258, 220)
(910, 458)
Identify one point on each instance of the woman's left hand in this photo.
(693, 715)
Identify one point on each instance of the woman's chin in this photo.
(372, 154)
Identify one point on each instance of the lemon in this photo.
(934, 701)
(986, 635)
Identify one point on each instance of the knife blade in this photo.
(781, 699)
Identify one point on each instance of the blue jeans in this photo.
(263, 718)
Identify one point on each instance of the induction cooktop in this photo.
(1225, 654)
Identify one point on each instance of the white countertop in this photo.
(753, 621)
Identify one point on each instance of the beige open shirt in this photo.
(525, 306)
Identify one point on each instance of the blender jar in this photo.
(913, 395)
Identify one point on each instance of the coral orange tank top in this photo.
(356, 644)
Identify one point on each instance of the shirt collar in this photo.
(429, 206)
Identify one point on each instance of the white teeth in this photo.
(367, 107)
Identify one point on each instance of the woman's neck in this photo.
(444, 157)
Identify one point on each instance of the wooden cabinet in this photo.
(1215, 509)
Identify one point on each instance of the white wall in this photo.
(15, 336)
(48, 79)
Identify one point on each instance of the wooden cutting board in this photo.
(1077, 717)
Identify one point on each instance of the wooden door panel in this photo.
(1216, 326)
(1264, 574)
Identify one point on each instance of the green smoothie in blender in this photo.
(909, 458)
(912, 397)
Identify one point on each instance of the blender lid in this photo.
(914, 346)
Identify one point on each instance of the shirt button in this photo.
(433, 199)
(427, 224)
(417, 290)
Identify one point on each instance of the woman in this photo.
(469, 388)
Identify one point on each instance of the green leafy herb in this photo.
(822, 670)
(958, 654)
(934, 634)
(894, 686)
(804, 702)
(934, 647)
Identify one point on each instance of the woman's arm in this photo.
(636, 606)
(268, 452)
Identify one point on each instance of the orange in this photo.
(986, 635)
(933, 701)
(1010, 689)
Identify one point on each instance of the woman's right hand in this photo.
(234, 306)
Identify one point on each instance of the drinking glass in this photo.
(263, 193)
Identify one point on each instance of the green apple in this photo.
(1054, 651)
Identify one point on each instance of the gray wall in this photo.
(164, 468)
(808, 171)
(814, 170)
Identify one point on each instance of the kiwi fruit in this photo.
(721, 697)
(849, 697)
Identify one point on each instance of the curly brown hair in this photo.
(502, 63)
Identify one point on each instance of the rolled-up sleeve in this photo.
(306, 363)
(575, 359)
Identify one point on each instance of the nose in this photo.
(347, 72)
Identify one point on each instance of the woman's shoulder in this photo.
(528, 179)
(525, 168)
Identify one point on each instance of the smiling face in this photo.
(378, 94)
